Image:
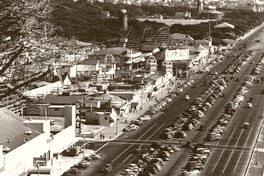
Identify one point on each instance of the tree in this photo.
(21, 25)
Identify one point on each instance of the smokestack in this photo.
(123, 19)
(200, 6)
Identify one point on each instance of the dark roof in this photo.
(62, 100)
(88, 62)
(12, 127)
(113, 51)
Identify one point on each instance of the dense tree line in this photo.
(243, 20)
(88, 22)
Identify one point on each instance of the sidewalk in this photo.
(63, 163)
(114, 131)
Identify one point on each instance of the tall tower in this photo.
(152, 65)
(200, 6)
(123, 19)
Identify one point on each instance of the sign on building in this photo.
(41, 161)
(177, 55)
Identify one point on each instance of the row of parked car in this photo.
(236, 66)
(218, 129)
(258, 67)
(197, 160)
(149, 161)
(82, 165)
(190, 118)
(161, 105)
(240, 96)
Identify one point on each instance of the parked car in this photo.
(187, 97)
(249, 105)
(95, 156)
(145, 118)
(108, 168)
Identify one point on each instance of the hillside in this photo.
(88, 22)
(243, 20)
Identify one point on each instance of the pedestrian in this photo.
(103, 136)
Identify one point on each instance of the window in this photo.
(56, 109)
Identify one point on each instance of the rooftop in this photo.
(62, 100)
(180, 36)
(12, 129)
(113, 51)
(88, 62)
(224, 25)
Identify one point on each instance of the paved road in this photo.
(234, 162)
(230, 155)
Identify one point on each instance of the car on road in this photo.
(145, 118)
(85, 163)
(108, 168)
(132, 127)
(245, 125)
(95, 156)
(249, 105)
(187, 97)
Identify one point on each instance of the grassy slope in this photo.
(87, 22)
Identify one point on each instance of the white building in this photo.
(26, 143)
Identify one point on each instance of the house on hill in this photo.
(225, 25)
(88, 68)
(178, 39)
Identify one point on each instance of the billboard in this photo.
(177, 55)
(41, 161)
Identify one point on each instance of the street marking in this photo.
(231, 149)
(156, 131)
(127, 157)
(232, 152)
(237, 162)
(218, 161)
(147, 131)
(132, 144)
(248, 137)
(122, 153)
(101, 147)
(223, 151)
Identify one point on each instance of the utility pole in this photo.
(83, 145)
(117, 120)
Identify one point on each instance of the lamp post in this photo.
(117, 120)
(83, 145)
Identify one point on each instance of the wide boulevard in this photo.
(229, 156)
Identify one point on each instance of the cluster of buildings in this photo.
(256, 5)
(97, 86)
